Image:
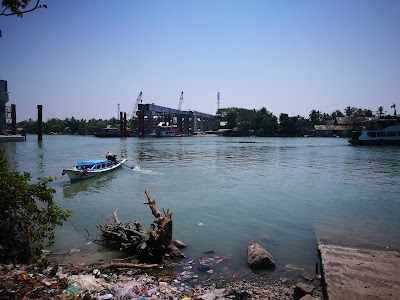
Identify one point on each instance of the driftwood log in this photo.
(150, 246)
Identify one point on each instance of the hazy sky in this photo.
(81, 58)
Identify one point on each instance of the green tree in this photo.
(288, 125)
(245, 119)
(265, 123)
(349, 111)
(380, 111)
(19, 7)
(28, 215)
(229, 115)
(337, 113)
(316, 117)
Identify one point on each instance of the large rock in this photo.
(258, 257)
(301, 290)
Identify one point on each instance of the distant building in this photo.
(342, 126)
(3, 109)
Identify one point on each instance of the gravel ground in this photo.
(116, 281)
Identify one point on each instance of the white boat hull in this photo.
(78, 174)
(389, 136)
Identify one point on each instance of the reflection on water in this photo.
(88, 186)
(41, 157)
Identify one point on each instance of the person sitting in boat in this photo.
(110, 156)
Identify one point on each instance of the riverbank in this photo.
(348, 272)
(130, 280)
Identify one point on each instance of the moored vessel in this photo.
(384, 131)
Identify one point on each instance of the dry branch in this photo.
(150, 246)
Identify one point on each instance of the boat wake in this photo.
(149, 172)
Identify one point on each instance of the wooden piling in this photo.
(40, 122)
(125, 133)
(121, 127)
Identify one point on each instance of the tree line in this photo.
(239, 120)
(264, 123)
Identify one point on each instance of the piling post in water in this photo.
(121, 121)
(40, 122)
(13, 119)
(125, 124)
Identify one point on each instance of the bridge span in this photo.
(185, 122)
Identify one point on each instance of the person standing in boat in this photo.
(110, 156)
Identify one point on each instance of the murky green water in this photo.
(224, 192)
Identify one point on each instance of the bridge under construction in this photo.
(184, 122)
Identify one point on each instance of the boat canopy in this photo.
(91, 162)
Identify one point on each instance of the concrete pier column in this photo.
(150, 123)
(186, 124)
(208, 124)
(201, 124)
(40, 122)
(179, 122)
(13, 119)
(194, 123)
(141, 124)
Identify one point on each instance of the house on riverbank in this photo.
(341, 126)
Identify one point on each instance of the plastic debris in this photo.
(73, 289)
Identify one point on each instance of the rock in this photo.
(258, 257)
(302, 290)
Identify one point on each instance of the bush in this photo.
(28, 215)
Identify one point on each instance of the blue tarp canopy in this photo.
(91, 162)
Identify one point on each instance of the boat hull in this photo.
(374, 142)
(75, 174)
(381, 132)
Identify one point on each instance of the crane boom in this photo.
(180, 102)
(138, 100)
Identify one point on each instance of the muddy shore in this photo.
(130, 280)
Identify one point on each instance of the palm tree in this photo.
(348, 111)
(380, 111)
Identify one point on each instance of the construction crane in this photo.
(135, 109)
(180, 102)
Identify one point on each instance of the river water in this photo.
(224, 192)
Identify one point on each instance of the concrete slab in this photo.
(350, 272)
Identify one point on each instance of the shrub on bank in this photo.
(28, 215)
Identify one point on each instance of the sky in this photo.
(81, 58)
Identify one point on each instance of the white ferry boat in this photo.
(384, 131)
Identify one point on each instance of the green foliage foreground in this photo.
(28, 215)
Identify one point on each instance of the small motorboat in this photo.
(91, 168)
